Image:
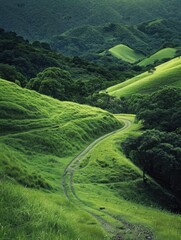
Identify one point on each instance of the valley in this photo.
(90, 130)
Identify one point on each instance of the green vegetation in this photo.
(145, 38)
(90, 41)
(76, 172)
(158, 151)
(158, 154)
(39, 136)
(37, 67)
(165, 53)
(53, 82)
(125, 53)
(167, 74)
(31, 214)
(161, 109)
(107, 180)
(46, 18)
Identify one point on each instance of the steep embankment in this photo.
(165, 74)
(39, 136)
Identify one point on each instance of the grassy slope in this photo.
(106, 178)
(125, 53)
(39, 136)
(163, 53)
(166, 74)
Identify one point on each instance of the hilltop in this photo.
(96, 39)
(145, 38)
(125, 53)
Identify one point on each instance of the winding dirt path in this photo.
(70, 193)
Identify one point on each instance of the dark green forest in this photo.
(158, 149)
(41, 19)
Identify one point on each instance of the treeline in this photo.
(158, 150)
(36, 66)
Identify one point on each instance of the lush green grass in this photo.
(31, 214)
(165, 74)
(107, 179)
(125, 53)
(39, 137)
(160, 55)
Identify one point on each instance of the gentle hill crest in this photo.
(158, 56)
(125, 53)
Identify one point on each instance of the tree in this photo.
(11, 74)
(54, 82)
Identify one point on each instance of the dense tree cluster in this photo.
(158, 150)
(53, 82)
(159, 155)
(160, 110)
(27, 58)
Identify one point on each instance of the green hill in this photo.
(125, 53)
(38, 137)
(94, 39)
(158, 56)
(41, 19)
(165, 74)
(146, 37)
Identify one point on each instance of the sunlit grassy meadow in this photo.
(125, 53)
(166, 74)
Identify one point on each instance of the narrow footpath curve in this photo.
(69, 191)
(71, 167)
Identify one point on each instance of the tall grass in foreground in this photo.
(39, 137)
(32, 214)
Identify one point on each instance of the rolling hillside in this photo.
(165, 74)
(146, 37)
(125, 53)
(51, 187)
(94, 39)
(39, 136)
(158, 56)
(41, 19)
